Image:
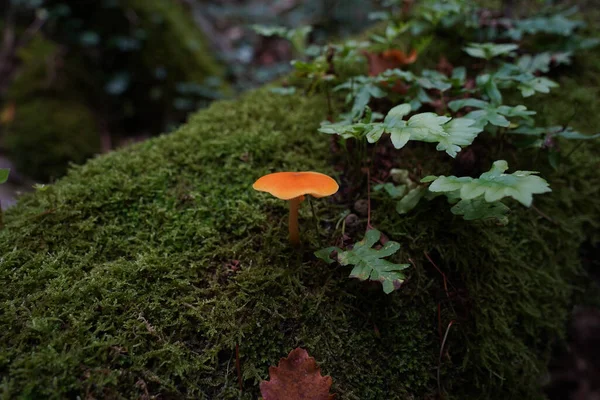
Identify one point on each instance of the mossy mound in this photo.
(117, 280)
(144, 73)
(48, 134)
(173, 40)
(52, 126)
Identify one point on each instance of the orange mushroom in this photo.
(293, 186)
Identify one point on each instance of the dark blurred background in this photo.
(82, 77)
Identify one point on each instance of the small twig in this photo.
(574, 148)
(142, 385)
(238, 366)
(443, 102)
(446, 281)
(148, 325)
(440, 358)
(47, 212)
(341, 239)
(543, 215)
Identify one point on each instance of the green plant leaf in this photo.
(265, 30)
(489, 50)
(494, 185)
(362, 89)
(492, 91)
(489, 113)
(369, 263)
(4, 174)
(426, 127)
(480, 209)
(395, 115)
(410, 200)
(536, 63)
(456, 105)
(395, 191)
(325, 254)
(539, 84)
(570, 133)
(431, 79)
(343, 128)
(557, 24)
(374, 134)
(554, 159)
(459, 76)
(459, 132)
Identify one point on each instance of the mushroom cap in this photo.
(289, 185)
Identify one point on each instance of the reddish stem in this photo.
(369, 227)
(443, 275)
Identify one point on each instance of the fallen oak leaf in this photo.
(297, 377)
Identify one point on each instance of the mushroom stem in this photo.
(293, 222)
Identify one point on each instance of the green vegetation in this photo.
(368, 262)
(141, 271)
(52, 126)
(141, 74)
(173, 41)
(48, 134)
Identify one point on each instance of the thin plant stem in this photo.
(368, 200)
(238, 366)
(573, 149)
(315, 219)
(440, 358)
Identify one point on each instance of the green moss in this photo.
(174, 41)
(136, 288)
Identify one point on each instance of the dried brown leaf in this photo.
(389, 59)
(297, 377)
